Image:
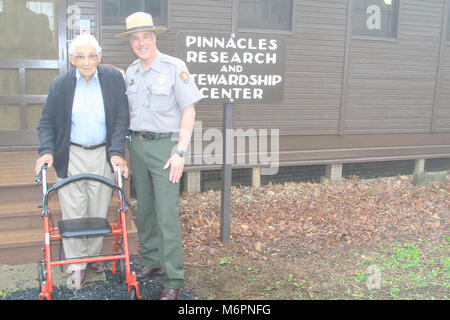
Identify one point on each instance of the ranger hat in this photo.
(139, 21)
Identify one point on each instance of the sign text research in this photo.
(245, 67)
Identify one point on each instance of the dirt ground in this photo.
(356, 239)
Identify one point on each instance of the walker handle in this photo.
(119, 176)
(42, 176)
(82, 176)
(39, 176)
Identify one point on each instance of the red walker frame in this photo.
(52, 233)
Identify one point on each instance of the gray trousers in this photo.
(85, 199)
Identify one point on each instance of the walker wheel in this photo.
(44, 296)
(133, 293)
(121, 270)
(40, 271)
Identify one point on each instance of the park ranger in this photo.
(161, 96)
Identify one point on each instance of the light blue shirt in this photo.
(88, 112)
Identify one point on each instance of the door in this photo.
(32, 53)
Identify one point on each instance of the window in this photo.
(25, 40)
(45, 8)
(265, 14)
(377, 18)
(116, 11)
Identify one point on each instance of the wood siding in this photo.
(346, 99)
(314, 72)
(443, 112)
(391, 86)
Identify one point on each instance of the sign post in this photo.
(228, 137)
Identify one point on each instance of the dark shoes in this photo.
(146, 273)
(169, 294)
(166, 293)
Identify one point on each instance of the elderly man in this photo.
(82, 130)
(161, 96)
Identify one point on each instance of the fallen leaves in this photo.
(316, 214)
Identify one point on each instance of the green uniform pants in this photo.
(158, 222)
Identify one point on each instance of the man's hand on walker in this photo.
(121, 162)
(45, 158)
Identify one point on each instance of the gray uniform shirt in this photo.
(157, 96)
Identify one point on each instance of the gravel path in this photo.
(109, 289)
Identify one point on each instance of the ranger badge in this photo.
(184, 76)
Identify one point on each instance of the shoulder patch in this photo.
(184, 76)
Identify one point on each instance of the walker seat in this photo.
(84, 227)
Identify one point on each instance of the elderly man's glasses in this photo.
(91, 57)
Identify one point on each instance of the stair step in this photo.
(23, 192)
(26, 192)
(14, 208)
(24, 215)
(25, 246)
(17, 167)
(27, 215)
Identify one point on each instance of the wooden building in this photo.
(364, 80)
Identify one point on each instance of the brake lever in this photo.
(39, 177)
(39, 204)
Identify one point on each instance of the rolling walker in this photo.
(81, 228)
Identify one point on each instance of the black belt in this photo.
(89, 147)
(147, 135)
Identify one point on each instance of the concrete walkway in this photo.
(24, 276)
